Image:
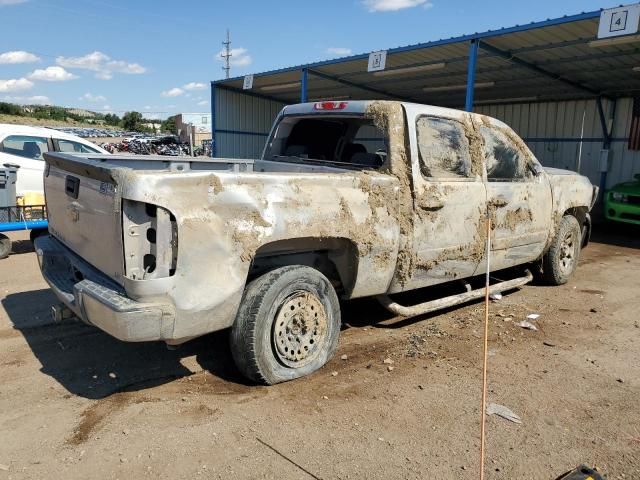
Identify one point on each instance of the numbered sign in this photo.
(619, 21)
(377, 61)
(248, 82)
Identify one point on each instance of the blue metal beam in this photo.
(304, 77)
(213, 120)
(247, 92)
(355, 85)
(471, 74)
(531, 66)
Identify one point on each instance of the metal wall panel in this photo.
(553, 131)
(242, 123)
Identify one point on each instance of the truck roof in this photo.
(360, 107)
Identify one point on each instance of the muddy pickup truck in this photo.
(350, 199)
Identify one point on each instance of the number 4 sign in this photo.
(619, 21)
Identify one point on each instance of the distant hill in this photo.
(53, 116)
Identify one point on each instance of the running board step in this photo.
(452, 300)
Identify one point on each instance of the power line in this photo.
(227, 55)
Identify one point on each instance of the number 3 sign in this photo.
(619, 21)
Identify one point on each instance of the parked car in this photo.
(24, 146)
(350, 199)
(622, 202)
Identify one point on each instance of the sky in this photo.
(158, 57)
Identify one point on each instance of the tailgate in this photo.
(85, 214)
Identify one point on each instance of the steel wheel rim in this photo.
(568, 252)
(299, 329)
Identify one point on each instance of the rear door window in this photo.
(443, 148)
(25, 146)
(506, 161)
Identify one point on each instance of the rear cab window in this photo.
(443, 148)
(340, 141)
(26, 146)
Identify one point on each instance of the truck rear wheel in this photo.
(561, 260)
(287, 325)
(5, 246)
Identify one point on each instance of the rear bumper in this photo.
(99, 301)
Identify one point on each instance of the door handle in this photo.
(499, 202)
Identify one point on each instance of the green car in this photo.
(622, 202)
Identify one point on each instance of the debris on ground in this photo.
(4, 467)
(334, 374)
(533, 316)
(495, 296)
(387, 361)
(547, 343)
(390, 368)
(527, 325)
(344, 357)
(504, 412)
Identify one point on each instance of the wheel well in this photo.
(579, 212)
(582, 215)
(336, 258)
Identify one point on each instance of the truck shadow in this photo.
(90, 363)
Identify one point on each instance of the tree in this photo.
(112, 119)
(169, 125)
(132, 122)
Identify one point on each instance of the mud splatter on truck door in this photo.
(450, 198)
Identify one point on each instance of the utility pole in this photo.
(227, 55)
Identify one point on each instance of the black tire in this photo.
(287, 325)
(561, 260)
(5, 246)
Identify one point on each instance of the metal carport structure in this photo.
(566, 92)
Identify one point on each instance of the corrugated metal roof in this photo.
(508, 68)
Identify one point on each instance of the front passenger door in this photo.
(518, 200)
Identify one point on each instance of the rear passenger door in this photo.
(518, 199)
(450, 199)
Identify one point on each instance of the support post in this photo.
(471, 74)
(213, 120)
(303, 85)
(607, 133)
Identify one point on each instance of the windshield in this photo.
(348, 141)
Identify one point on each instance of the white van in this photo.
(24, 145)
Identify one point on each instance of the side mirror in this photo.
(536, 168)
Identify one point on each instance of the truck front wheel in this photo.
(561, 260)
(287, 325)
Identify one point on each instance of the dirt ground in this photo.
(77, 404)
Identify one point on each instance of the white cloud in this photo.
(4, 3)
(239, 57)
(173, 92)
(339, 51)
(100, 63)
(393, 5)
(107, 109)
(18, 56)
(15, 85)
(34, 100)
(51, 74)
(194, 86)
(203, 102)
(89, 97)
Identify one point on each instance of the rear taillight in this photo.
(330, 105)
(150, 241)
